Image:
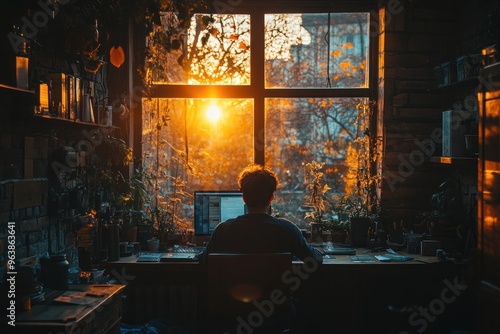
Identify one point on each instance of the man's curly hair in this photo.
(258, 184)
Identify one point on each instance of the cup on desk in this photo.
(441, 254)
(153, 245)
(123, 246)
(136, 246)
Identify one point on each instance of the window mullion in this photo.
(257, 83)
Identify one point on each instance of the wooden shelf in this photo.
(16, 89)
(76, 122)
(470, 81)
(490, 71)
(17, 100)
(454, 160)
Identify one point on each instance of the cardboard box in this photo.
(453, 127)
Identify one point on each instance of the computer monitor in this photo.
(213, 207)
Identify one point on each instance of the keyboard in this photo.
(337, 251)
(179, 257)
(182, 253)
(187, 249)
(330, 249)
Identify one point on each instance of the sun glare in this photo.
(213, 113)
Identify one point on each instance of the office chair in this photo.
(247, 293)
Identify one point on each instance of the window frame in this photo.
(256, 89)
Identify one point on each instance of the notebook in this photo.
(149, 257)
(389, 257)
(362, 258)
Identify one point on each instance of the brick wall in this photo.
(36, 232)
(24, 189)
(417, 38)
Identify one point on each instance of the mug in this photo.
(153, 245)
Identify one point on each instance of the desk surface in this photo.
(157, 289)
(76, 308)
(361, 254)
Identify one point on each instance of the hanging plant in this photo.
(167, 22)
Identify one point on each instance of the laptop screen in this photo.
(213, 207)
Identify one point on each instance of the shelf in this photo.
(76, 122)
(17, 100)
(16, 89)
(454, 160)
(490, 71)
(459, 84)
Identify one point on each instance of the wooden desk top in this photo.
(336, 260)
(74, 308)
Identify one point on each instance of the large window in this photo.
(280, 89)
(316, 50)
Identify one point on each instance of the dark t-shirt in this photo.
(259, 233)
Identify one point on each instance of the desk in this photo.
(101, 315)
(341, 293)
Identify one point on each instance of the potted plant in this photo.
(447, 209)
(131, 203)
(111, 159)
(363, 199)
(124, 195)
(316, 200)
(338, 230)
(166, 227)
(338, 222)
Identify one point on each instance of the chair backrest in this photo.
(249, 290)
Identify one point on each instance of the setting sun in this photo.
(213, 113)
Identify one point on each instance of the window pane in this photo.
(317, 50)
(302, 130)
(194, 144)
(214, 50)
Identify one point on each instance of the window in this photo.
(324, 51)
(286, 86)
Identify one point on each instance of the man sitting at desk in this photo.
(258, 231)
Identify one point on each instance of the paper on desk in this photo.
(75, 297)
(362, 258)
(390, 257)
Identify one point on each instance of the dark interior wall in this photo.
(32, 149)
(421, 36)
